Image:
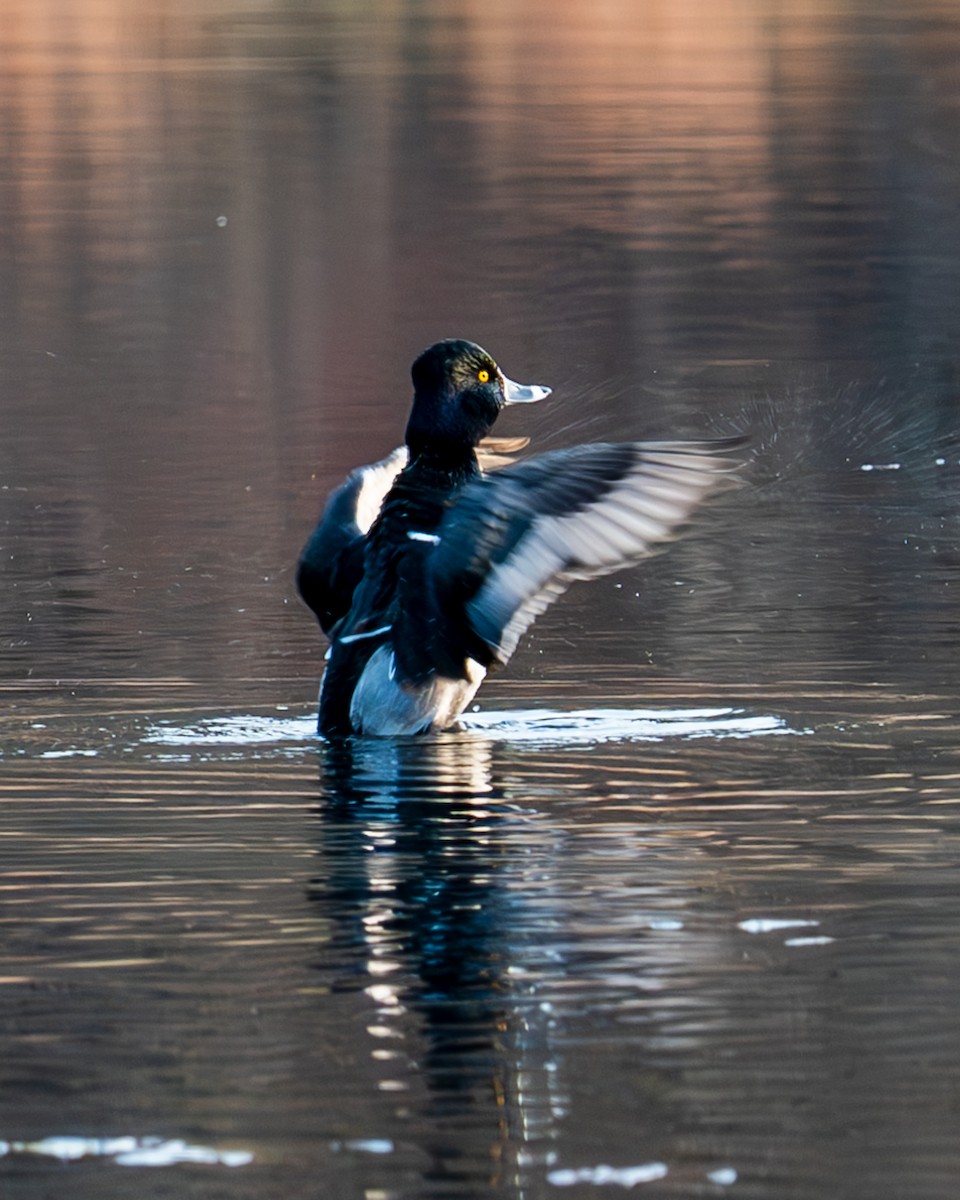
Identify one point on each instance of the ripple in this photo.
(775, 924)
(546, 727)
(540, 727)
(238, 730)
(128, 1151)
(627, 1177)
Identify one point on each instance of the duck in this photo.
(426, 567)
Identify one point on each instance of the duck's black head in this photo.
(458, 392)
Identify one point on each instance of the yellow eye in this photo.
(483, 375)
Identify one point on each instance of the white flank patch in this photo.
(377, 480)
(384, 707)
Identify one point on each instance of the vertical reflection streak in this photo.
(419, 844)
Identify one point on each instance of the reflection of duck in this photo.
(378, 774)
(425, 572)
(420, 857)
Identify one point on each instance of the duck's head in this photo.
(458, 392)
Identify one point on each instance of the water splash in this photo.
(545, 727)
(541, 727)
(239, 730)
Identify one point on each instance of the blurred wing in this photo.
(496, 452)
(515, 540)
(331, 563)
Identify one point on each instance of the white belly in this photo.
(382, 706)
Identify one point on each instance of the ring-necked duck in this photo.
(425, 572)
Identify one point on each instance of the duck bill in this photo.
(523, 393)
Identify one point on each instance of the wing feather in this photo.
(516, 540)
(331, 563)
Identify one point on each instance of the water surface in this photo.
(677, 911)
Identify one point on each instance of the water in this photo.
(677, 912)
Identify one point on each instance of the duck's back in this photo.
(363, 688)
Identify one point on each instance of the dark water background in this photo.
(696, 933)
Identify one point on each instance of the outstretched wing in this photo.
(331, 563)
(515, 540)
